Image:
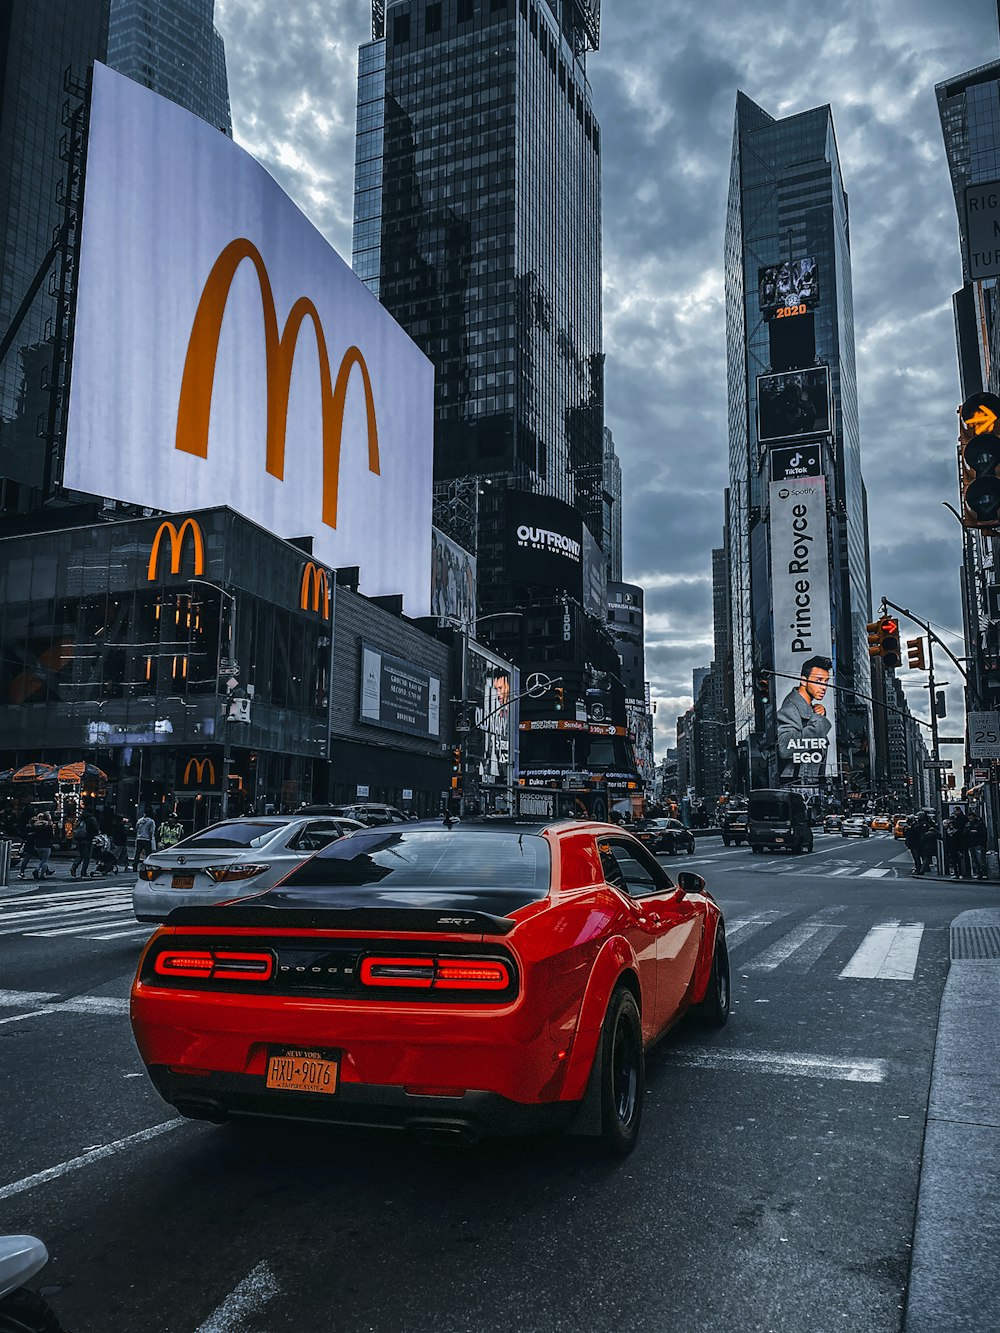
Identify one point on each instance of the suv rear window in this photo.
(770, 810)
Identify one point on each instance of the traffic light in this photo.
(940, 706)
(456, 767)
(763, 684)
(890, 653)
(874, 638)
(979, 434)
(915, 655)
(560, 697)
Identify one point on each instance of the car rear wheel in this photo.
(715, 1007)
(623, 1074)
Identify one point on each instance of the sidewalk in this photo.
(955, 1273)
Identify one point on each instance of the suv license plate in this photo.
(303, 1071)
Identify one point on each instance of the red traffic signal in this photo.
(980, 443)
(890, 652)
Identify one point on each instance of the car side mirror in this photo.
(689, 882)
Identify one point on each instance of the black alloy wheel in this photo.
(715, 1008)
(24, 1311)
(623, 1074)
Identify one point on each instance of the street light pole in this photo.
(231, 640)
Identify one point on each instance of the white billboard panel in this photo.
(803, 643)
(225, 354)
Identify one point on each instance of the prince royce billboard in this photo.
(226, 355)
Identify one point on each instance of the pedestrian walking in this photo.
(119, 841)
(928, 844)
(85, 830)
(171, 831)
(43, 834)
(975, 841)
(954, 845)
(914, 839)
(145, 839)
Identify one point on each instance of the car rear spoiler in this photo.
(415, 920)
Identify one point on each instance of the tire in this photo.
(691, 847)
(756, 850)
(715, 1008)
(623, 1074)
(24, 1311)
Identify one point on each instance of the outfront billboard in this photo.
(544, 543)
(796, 403)
(225, 354)
(806, 704)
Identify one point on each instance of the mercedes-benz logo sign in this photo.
(538, 684)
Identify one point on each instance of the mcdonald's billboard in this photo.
(198, 772)
(226, 355)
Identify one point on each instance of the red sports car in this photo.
(497, 978)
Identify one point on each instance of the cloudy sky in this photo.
(664, 89)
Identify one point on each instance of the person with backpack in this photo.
(975, 841)
(145, 839)
(43, 833)
(84, 832)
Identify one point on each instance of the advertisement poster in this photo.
(789, 287)
(640, 730)
(544, 543)
(492, 741)
(399, 695)
(453, 582)
(803, 650)
(795, 403)
(225, 354)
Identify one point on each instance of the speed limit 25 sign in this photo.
(984, 735)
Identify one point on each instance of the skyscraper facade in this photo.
(798, 541)
(477, 224)
(40, 46)
(173, 47)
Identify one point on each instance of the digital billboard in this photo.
(544, 543)
(806, 703)
(453, 582)
(796, 403)
(491, 745)
(788, 288)
(399, 695)
(225, 354)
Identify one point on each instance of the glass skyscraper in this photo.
(790, 336)
(173, 47)
(478, 225)
(39, 45)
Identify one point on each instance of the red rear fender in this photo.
(614, 961)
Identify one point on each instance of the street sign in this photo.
(937, 763)
(982, 227)
(984, 735)
(951, 740)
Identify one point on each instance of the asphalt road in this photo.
(774, 1187)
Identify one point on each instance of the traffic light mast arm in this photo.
(904, 611)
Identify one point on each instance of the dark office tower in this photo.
(799, 567)
(40, 44)
(477, 224)
(173, 47)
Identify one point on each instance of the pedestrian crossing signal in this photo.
(979, 434)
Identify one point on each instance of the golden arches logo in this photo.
(315, 581)
(201, 767)
(176, 536)
(195, 406)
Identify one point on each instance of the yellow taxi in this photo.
(900, 826)
(881, 823)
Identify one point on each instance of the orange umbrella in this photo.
(79, 771)
(35, 773)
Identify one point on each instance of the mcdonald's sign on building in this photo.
(175, 534)
(314, 594)
(245, 364)
(198, 772)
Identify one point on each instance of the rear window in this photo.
(447, 861)
(770, 810)
(239, 833)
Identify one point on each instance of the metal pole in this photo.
(932, 699)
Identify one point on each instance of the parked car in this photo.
(832, 823)
(881, 823)
(232, 859)
(370, 813)
(480, 978)
(855, 826)
(664, 835)
(779, 821)
(735, 824)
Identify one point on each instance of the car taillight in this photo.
(227, 874)
(148, 872)
(436, 973)
(214, 964)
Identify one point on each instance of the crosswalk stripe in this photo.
(40, 918)
(887, 953)
(744, 928)
(77, 929)
(859, 1070)
(876, 873)
(818, 933)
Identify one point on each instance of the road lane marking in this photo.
(77, 929)
(818, 935)
(88, 1158)
(55, 914)
(144, 930)
(47, 1002)
(799, 1065)
(247, 1298)
(877, 873)
(887, 953)
(744, 928)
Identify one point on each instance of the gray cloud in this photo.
(664, 86)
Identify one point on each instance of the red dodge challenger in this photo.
(493, 978)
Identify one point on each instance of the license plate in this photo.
(303, 1071)
(779, 840)
(183, 882)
